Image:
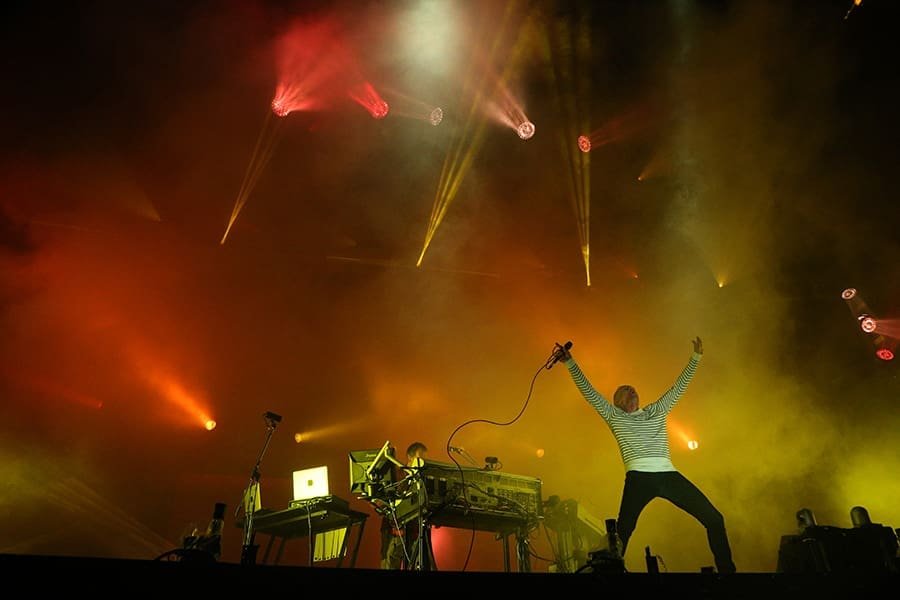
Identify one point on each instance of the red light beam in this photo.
(622, 127)
(311, 61)
(50, 389)
(366, 96)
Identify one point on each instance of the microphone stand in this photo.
(249, 549)
(415, 477)
(423, 538)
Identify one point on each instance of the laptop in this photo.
(310, 483)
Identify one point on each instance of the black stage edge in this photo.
(108, 577)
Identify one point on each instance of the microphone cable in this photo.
(546, 365)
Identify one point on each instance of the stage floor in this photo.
(124, 577)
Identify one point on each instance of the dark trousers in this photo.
(642, 487)
(397, 547)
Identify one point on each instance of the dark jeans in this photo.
(642, 487)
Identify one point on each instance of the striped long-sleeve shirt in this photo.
(641, 435)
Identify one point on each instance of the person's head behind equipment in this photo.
(626, 398)
(415, 454)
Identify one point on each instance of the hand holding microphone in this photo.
(559, 353)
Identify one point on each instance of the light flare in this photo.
(679, 431)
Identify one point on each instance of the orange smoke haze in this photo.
(115, 293)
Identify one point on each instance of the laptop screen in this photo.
(311, 483)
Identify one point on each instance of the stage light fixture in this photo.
(848, 294)
(525, 130)
(279, 107)
(805, 518)
(868, 324)
(584, 144)
(859, 516)
(380, 110)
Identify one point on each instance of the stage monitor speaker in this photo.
(822, 549)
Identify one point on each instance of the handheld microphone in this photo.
(558, 353)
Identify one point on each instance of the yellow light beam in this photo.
(565, 50)
(262, 152)
(465, 146)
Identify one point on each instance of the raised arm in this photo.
(667, 401)
(594, 398)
